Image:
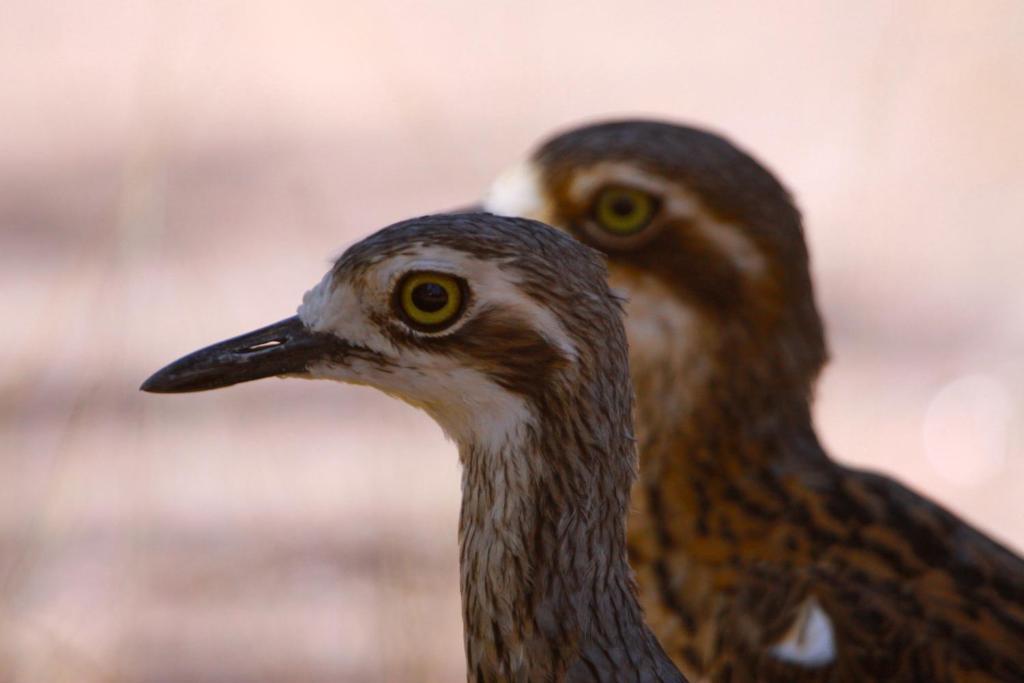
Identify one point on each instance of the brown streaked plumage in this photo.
(513, 342)
(759, 558)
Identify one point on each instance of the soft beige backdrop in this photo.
(172, 173)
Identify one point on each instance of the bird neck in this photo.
(733, 404)
(547, 593)
(718, 432)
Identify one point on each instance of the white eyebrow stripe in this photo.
(810, 642)
(678, 201)
(588, 180)
(489, 283)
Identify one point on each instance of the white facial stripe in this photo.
(589, 180)
(490, 285)
(810, 642)
(341, 311)
(666, 343)
(517, 192)
(336, 308)
(678, 201)
(656, 321)
(467, 403)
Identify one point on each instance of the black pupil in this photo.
(430, 297)
(623, 206)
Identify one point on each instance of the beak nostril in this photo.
(263, 346)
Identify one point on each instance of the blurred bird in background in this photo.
(759, 557)
(488, 324)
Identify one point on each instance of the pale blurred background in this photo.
(172, 173)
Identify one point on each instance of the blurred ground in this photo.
(174, 173)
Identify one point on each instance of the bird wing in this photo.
(876, 635)
(952, 582)
(906, 591)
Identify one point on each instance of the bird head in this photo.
(475, 318)
(705, 243)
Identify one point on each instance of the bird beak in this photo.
(287, 347)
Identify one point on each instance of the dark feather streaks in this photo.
(740, 516)
(547, 591)
(914, 593)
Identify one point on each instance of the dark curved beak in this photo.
(284, 348)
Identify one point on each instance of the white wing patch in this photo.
(810, 641)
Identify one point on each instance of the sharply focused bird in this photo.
(506, 333)
(759, 558)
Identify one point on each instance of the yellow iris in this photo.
(623, 210)
(430, 300)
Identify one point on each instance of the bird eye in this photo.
(429, 301)
(623, 210)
